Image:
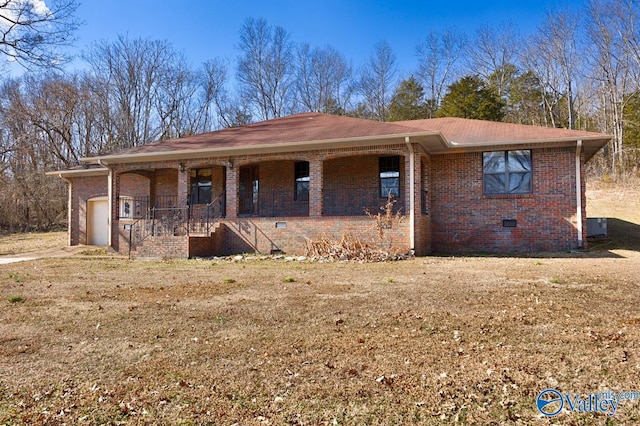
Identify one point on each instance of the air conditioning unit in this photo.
(596, 226)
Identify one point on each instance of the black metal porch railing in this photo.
(356, 201)
(273, 203)
(141, 208)
(181, 219)
(352, 201)
(202, 217)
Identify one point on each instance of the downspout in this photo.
(412, 195)
(579, 191)
(110, 178)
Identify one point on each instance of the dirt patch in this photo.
(467, 340)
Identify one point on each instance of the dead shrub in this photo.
(351, 247)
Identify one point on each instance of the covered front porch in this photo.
(264, 204)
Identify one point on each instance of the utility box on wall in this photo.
(596, 226)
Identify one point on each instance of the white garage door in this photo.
(98, 221)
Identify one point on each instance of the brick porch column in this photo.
(315, 186)
(231, 191)
(113, 193)
(152, 190)
(183, 186)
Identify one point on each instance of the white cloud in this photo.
(39, 6)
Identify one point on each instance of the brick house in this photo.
(460, 184)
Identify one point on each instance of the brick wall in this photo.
(261, 235)
(134, 185)
(463, 219)
(352, 184)
(277, 189)
(165, 247)
(83, 189)
(456, 215)
(166, 182)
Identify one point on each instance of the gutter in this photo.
(579, 191)
(412, 195)
(286, 147)
(110, 197)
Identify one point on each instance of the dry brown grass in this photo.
(11, 244)
(426, 341)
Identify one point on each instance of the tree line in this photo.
(580, 70)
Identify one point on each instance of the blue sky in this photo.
(204, 29)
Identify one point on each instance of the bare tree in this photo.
(189, 101)
(266, 69)
(377, 81)
(492, 54)
(31, 31)
(223, 109)
(38, 121)
(128, 75)
(323, 79)
(438, 55)
(554, 54)
(611, 52)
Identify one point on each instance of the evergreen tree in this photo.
(408, 101)
(525, 101)
(469, 98)
(632, 121)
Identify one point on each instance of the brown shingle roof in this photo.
(307, 127)
(464, 131)
(310, 131)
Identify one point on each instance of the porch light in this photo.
(181, 167)
(229, 163)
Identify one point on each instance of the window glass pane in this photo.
(201, 186)
(302, 190)
(507, 172)
(301, 169)
(519, 161)
(519, 183)
(389, 176)
(302, 180)
(493, 162)
(204, 193)
(389, 186)
(389, 164)
(494, 184)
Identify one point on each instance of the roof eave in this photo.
(63, 174)
(592, 144)
(432, 141)
(188, 154)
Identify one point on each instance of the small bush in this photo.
(16, 299)
(228, 281)
(289, 280)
